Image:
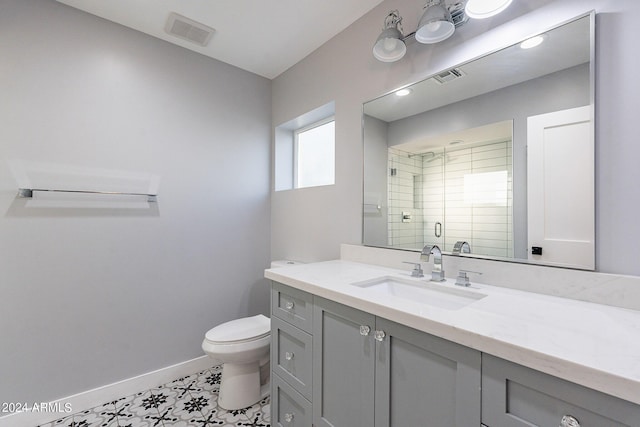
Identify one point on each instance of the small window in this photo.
(304, 150)
(314, 154)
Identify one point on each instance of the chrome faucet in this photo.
(437, 273)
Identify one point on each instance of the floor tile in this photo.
(94, 418)
(188, 401)
(255, 412)
(209, 380)
(67, 421)
(143, 404)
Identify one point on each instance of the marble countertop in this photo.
(590, 344)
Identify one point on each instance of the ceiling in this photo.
(264, 37)
(493, 132)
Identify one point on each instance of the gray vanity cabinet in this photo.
(516, 396)
(343, 366)
(369, 371)
(423, 380)
(288, 407)
(336, 366)
(291, 356)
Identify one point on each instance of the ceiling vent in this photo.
(449, 75)
(188, 29)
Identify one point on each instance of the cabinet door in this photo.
(516, 396)
(423, 380)
(343, 366)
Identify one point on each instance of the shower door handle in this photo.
(438, 229)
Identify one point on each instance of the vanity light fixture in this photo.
(532, 42)
(438, 22)
(481, 9)
(389, 46)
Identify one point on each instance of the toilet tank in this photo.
(284, 263)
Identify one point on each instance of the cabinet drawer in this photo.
(515, 396)
(291, 355)
(292, 305)
(288, 407)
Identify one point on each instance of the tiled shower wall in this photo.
(460, 194)
(405, 198)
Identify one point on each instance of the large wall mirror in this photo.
(497, 152)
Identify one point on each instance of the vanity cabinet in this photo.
(291, 356)
(336, 366)
(516, 396)
(343, 366)
(369, 371)
(292, 305)
(288, 407)
(425, 380)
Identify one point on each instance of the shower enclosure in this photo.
(459, 192)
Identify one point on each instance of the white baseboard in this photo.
(86, 400)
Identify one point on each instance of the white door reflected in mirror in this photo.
(561, 187)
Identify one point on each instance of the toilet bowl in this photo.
(242, 346)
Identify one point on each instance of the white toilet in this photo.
(242, 346)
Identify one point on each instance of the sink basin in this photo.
(422, 292)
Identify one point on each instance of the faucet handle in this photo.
(463, 279)
(417, 269)
(437, 275)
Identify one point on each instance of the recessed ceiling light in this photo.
(532, 42)
(403, 92)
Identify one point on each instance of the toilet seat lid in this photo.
(245, 329)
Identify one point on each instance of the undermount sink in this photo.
(421, 291)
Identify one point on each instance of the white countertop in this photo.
(590, 344)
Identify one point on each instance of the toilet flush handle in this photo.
(288, 305)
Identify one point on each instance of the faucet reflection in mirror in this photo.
(461, 248)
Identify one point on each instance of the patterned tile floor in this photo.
(188, 401)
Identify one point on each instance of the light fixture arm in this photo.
(393, 20)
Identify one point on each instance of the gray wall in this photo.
(90, 297)
(345, 71)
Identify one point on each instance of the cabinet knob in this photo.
(288, 417)
(364, 330)
(288, 355)
(379, 335)
(569, 421)
(288, 305)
